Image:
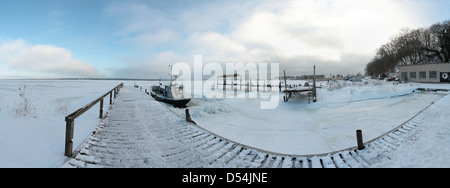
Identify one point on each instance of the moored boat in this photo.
(170, 94)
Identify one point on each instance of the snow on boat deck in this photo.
(141, 132)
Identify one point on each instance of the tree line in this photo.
(412, 47)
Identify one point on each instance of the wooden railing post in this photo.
(110, 98)
(101, 109)
(69, 137)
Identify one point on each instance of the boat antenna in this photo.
(170, 74)
(171, 66)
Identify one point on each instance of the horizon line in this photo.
(137, 79)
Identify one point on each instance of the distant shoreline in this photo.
(124, 79)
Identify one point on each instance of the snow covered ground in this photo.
(36, 138)
(299, 128)
(430, 146)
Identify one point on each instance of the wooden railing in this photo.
(70, 119)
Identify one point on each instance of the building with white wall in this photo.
(434, 73)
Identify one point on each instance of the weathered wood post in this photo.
(257, 84)
(188, 117)
(314, 85)
(110, 97)
(285, 86)
(279, 86)
(224, 82)
(101, 109)
(359, 139)
(69, 137)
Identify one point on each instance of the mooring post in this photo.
(314, 85)
(224, 82)
(69, 137)
(188, 117)
(279, 86)
(257, 84)
(359, 139)
(285, 81)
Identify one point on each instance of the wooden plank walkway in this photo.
(141, 132)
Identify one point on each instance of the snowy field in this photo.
(299, 128)
(35, 137)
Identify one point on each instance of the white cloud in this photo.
(324, 29)
(343, 34)
(25, 60)
(332, 33)
(216, 44)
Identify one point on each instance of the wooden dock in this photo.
(141, 132)
(299, 90)
(432, 90)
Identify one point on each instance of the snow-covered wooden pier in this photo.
(432, 90)
(141, 132)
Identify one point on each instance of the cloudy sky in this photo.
(139, 39)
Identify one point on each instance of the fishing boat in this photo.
(171, 94)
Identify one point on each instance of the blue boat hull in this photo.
(180, 103)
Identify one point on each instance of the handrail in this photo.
(70, 119)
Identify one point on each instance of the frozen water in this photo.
(295, 127)
(299, 128)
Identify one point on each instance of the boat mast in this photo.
(170, 74)
(171, 71)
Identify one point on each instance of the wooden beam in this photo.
(101, 109)
(69, 137)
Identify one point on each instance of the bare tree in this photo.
(412, 47)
